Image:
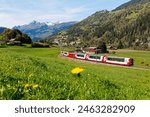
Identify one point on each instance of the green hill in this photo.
(8, 34)
(129, 27)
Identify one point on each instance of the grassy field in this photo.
(37, 73)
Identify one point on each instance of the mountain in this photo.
(2, 29)
(38, 31)
(14, 34)
(123, 28)
(131, 3)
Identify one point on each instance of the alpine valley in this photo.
(127, 26)
(55, 69)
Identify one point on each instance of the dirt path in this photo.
(83, 61)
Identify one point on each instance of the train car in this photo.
(94, 58)
(72, 54)
(80, 56)
(118, 60)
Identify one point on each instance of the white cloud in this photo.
(75, 10)
(8, 20)
(19, 12)
(55, 17)
(11, 16)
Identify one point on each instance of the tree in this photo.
(102, 46)
(120, 45)
(24, 39)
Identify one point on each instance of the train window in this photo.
(94, 57)
(80, 55)
(116, 59)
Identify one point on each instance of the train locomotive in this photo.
(101, 59)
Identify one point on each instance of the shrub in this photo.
(39, 44)
(113, 52)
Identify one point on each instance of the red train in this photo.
(102, 59)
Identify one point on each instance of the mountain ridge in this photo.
(131, 3)
(37, 30)
(2, 29)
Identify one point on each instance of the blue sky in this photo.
(19, 12)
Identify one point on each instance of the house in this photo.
(93, 50)
(13, 42)
(112, 48)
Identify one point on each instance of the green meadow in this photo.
(41, 74)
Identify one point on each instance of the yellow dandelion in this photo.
(35, 86)
(26, 86)
(77, 70)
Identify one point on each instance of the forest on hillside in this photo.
(125, 28)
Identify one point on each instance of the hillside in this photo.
(131, 3)
(8, 34)
(37, 30)
(129, 27)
